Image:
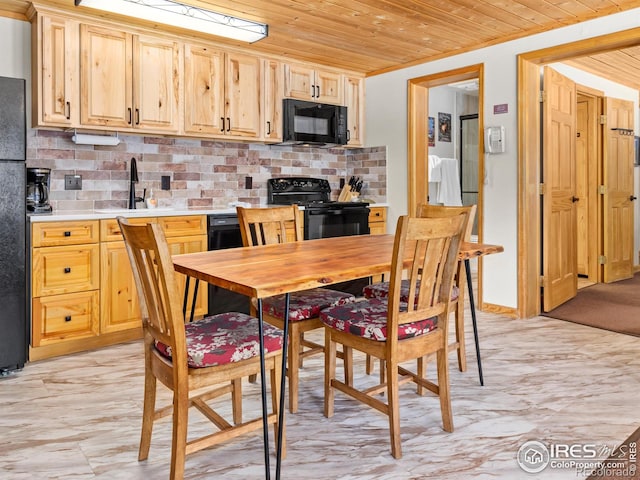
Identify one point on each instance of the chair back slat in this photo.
(430, 246)
(426, 210)
(156, 284)
(265, 226)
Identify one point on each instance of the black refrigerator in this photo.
(13, 278)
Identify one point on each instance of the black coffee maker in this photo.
(38, 190)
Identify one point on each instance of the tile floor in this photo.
(78, 417)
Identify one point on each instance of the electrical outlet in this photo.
(165, 182)
(73, 182)
(248, 183)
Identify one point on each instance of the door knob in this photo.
(574, 199)
(632, 198)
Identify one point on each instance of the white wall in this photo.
(386, 97)
(443, 100)
(15, 54)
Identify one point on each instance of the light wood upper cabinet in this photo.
(55, 63)
(307, 83)
(128, 81)
(222, 92)
(354, 101)
(272, 95)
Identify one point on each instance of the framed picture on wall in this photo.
(432, 132)
(444, 127)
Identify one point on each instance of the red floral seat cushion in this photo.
(368, 319)
(307, 304)
(380, 291)
(225, 338)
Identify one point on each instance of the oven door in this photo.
(335, 221)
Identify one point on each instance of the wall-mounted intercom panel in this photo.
(494, 140)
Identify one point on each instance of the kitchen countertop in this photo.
(100, 214)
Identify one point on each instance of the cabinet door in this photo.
(354, 101)
(203, 90)
(119, 306)
(58, 64)
(191, 244)
(242, 88)
(156, 87)
(106, 81)
(328, 87)
(299, 82)
(272, 94)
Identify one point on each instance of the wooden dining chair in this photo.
(263, 226)
(381, 289)
(198, 361)
(395, 331)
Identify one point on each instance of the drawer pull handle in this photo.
(67, 234)
(67, 269)
(67, 318)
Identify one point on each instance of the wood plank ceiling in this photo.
(375, 36)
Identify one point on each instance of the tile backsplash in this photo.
(203, 173)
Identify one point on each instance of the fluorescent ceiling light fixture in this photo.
(86, 139)
(180, 15)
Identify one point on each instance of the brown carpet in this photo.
(610, 306)
(622, 464)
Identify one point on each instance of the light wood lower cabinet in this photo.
(83, 292)
(377, 220)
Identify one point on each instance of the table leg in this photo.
(263, 386)
(285, 349)
(186, 297)
(193, 300)
(472, 306)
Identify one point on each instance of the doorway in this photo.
(529, 150)
(418, 148)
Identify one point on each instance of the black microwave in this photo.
(314, 123)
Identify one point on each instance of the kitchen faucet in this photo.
(133, 179)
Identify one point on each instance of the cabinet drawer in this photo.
(184, 225)
(64, 317)
(64, 233)
(377, 214)
(110, 230)
(59, 270)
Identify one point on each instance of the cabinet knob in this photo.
(67, 318)
(67, 234)
(67, 269)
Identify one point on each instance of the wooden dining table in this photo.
(264, 271)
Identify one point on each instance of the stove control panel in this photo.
(299, 184)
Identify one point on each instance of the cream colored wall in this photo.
(15, 56)
(386, 120)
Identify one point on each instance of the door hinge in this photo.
(603, 119)
(542, 280)
(602, 189)
(542, 97)
(602, 260)
(542, 190)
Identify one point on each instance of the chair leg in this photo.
(276, 377)
(393, 408)
(236, 400)
(179, 440)
(462, 354)
(148, 412)
(293, 367)
(329, 372)
(443, 390)
(369, 364)
(421, 371)
(347, 355)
